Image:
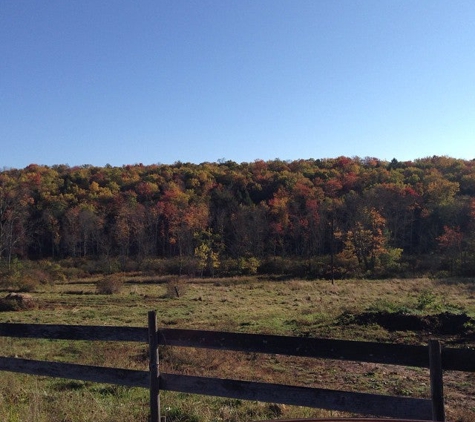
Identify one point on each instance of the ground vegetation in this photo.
(409, 311)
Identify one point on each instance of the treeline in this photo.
(341, 217)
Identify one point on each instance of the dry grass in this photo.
(293, 307)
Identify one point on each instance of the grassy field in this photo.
(350, 309)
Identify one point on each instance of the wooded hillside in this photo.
(342, 216)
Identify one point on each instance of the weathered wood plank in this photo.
(458, 359)
(363, 403)
(452, 359)
(153, 367)
(436, 381)
(394, 354)
(74, 332)
(127, 377)
(370, 419)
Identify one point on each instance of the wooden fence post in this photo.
(154, 367)
(436, 381)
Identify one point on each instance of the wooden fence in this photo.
(433, 357)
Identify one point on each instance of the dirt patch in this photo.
(445, 323)
(17, 302)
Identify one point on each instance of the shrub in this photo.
(109, 285)
(153, 265)
(249, 265)
(389, 263)
(27, 283)
(26, 276)
(239, 266)
(182, 266)
(54, 270)
(176, 287)
(428, 300)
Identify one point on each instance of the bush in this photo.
(428, 300)
(294, 267)
(26, 276)
(54, 270)
(249, 265)
(182, 266)
(176, 287)
(239, 266)
(109, 285)
(154, 265)
(27, 283)
(389, 263)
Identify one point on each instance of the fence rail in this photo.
(74, 332)
(126, 377)
(432, 357)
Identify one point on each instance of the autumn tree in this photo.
(181, 216)
(250, 231)
(366, 240)
(279, 220)
(451, 245)
(82, 231)
(364, 212)
(14, 202)
(397, 203)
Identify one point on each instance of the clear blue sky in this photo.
(160, 81)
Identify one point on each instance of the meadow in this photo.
(372, 310)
